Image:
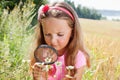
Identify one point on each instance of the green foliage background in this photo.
(15, 39)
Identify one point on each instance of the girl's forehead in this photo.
(55, 24)
(53, 20)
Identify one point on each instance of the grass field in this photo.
(103, 40)
(101, 37)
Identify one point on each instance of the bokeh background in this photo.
(101, 29)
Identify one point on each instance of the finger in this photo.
(37, 69)
(39, 64)
(36, 66)
(38, 74)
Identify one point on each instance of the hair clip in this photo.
(42, 10)
(45, 8)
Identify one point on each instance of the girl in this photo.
(59, 27)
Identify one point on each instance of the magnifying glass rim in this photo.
(46, 46)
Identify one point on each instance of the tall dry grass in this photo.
(103, 40)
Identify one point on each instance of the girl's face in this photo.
(56, 33)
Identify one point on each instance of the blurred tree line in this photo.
(84, 12)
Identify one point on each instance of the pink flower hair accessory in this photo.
(45, 8)
(42, 10)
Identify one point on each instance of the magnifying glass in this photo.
(46, 54)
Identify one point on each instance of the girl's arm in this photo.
(80, 65)
(79, 73)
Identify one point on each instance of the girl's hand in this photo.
(38, 73)
(69, 78)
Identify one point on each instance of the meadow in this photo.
(102, 38)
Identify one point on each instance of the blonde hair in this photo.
(75, 43)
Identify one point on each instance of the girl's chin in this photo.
(61, 51)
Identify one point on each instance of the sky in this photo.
(98, 4)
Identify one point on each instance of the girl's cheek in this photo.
(47, 40)
(62, 40)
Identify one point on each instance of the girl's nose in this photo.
(54, 40)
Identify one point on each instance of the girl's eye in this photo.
(61, 35)
(47, 35)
